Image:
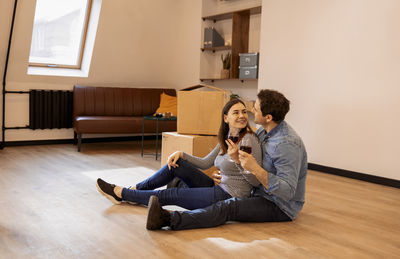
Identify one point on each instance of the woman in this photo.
(201, 191)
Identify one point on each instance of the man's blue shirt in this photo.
(285, 160)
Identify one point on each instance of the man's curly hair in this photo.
(274, 103)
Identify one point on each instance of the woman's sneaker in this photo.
(108, 190)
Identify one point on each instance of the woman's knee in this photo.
(182, 167)
(183, 163)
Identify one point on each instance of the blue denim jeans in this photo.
(253, 209)
(200, 193)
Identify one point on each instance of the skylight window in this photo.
(59, 33)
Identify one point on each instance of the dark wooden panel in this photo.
(240, 39)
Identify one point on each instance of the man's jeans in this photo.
(200, 193)
(253, 209)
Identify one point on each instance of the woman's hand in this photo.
(233, 150)
(173, 158)
(216, 176)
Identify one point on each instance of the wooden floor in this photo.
(50, 208)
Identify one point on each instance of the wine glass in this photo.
(234, 137)
(245, 145)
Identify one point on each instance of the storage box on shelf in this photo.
(199, 109)
(248, 72)
(248, 68)
(191, 144)
(212, 38)
(248, 59)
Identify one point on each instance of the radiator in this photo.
(50, 109)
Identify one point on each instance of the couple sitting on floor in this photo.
(264, 184)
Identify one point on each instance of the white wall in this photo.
(212, 7)
(339, 64)
(138, 44)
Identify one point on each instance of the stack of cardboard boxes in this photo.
(199, 118)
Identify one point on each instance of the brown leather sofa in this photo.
(112, 110)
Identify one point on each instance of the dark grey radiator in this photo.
(50, 109)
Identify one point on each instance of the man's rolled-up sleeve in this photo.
(287, 162)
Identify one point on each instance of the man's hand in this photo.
(248, 162)
(216, 176)
(233, 150)
(173, 158)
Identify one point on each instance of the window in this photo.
(59, 33)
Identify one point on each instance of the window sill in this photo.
(52, 71)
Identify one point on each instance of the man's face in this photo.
(258, 117)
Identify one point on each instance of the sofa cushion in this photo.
(168, 104)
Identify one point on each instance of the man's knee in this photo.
(227, 208)
(243, 209)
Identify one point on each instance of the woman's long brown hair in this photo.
(224, 128)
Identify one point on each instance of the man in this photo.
(280, 196)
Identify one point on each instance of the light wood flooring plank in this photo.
(50, 208)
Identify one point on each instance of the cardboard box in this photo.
(249, 105)
(192, 144)
(199, 109)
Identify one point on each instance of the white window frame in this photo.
(81, 48)
(83, 71)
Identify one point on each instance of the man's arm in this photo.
(286, 160)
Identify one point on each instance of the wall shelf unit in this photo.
(240, 37)
(213, 49)
(229, 15)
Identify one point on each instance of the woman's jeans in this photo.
(201, 191)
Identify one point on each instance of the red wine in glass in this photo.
(234, 139)
(246, 149)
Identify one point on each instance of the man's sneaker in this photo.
(108, 190)
(157, 217)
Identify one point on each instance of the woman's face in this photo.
(237, 116)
